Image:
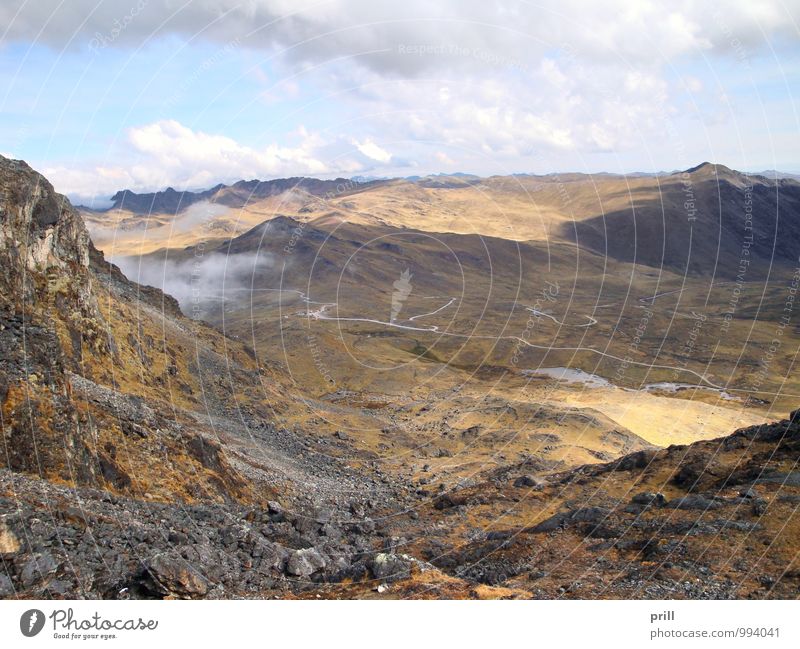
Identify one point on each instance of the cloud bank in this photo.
(505, 30)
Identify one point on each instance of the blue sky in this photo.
(103, 96)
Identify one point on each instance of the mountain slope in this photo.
(712, 520)
(700, 221)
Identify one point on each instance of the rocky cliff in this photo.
(46, 291)
(86, 357)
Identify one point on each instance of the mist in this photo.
(201, 282)
(198, 215)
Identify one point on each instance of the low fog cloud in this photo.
(200, 282)
(197, 215)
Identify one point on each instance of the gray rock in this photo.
(303, 563)
(564, 519)
(174, 576)
(649, 498)
(528, 481)
(37, 568)
(789, 479)
(693, 501)
(390, 567)
(6, 587)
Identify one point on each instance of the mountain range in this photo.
(265, 413)
(695, 221)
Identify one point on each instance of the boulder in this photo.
(788, 479)
(37, 568)
(564, 519)
(693, 501)
(6, 587)
(649, 498)
(303, 563)
(528, 481)
(169, 575)
(390, 567)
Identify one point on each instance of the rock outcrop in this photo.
(46, 301)
(84, 352)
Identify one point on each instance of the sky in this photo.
(144, 94)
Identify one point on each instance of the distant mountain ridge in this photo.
(238, 194)
(171, 201)
(774, 174)
(695, 220)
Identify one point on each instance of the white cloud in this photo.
(444, 159)
(559, 106)
(373, 151)
(201, 157)
(167, 153)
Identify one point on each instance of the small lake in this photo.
(570, 375)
